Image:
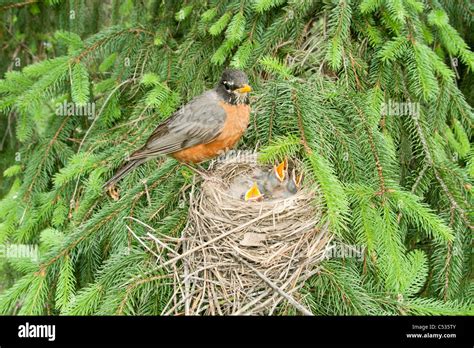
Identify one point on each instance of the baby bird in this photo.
(274, 184)
(253, 194)
(275, 178)
(294, 183)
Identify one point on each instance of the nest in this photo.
(242, 257)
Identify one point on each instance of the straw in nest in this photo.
(243, 257)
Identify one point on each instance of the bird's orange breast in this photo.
(236, 123)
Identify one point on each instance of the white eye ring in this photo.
(227, 84)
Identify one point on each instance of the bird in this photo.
(207, 126)
(275, 178)
(253, 194)
(278, 183)
(294, 183)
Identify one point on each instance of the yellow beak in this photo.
(253, 193)
(280, 170)
(244, 89)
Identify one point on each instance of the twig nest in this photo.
(248, 257)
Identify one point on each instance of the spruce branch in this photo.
(440, 180)
(373, 148)
(47, 152)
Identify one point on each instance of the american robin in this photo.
(275, 178)
(207, 126)
(294, 182)
(253, 194)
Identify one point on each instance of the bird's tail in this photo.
(127, 167)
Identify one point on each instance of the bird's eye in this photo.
(228, 84)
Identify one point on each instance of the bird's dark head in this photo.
(234, 86)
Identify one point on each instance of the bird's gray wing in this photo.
(198, 122)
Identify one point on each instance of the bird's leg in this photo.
(201, 168)
(201, 171)
(113, 192)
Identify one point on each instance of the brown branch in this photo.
(418, 179)
(373, 148)
(17, 5)
(270, 127)
(7, 131)
(359, 86)
(306, 146)
(438, 177)
(30, 188)
(90, 49)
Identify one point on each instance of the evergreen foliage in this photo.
(398, 185)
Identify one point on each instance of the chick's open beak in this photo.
(280, 170)
(244, 89)
(253, 193)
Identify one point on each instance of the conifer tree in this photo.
(326, 74)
